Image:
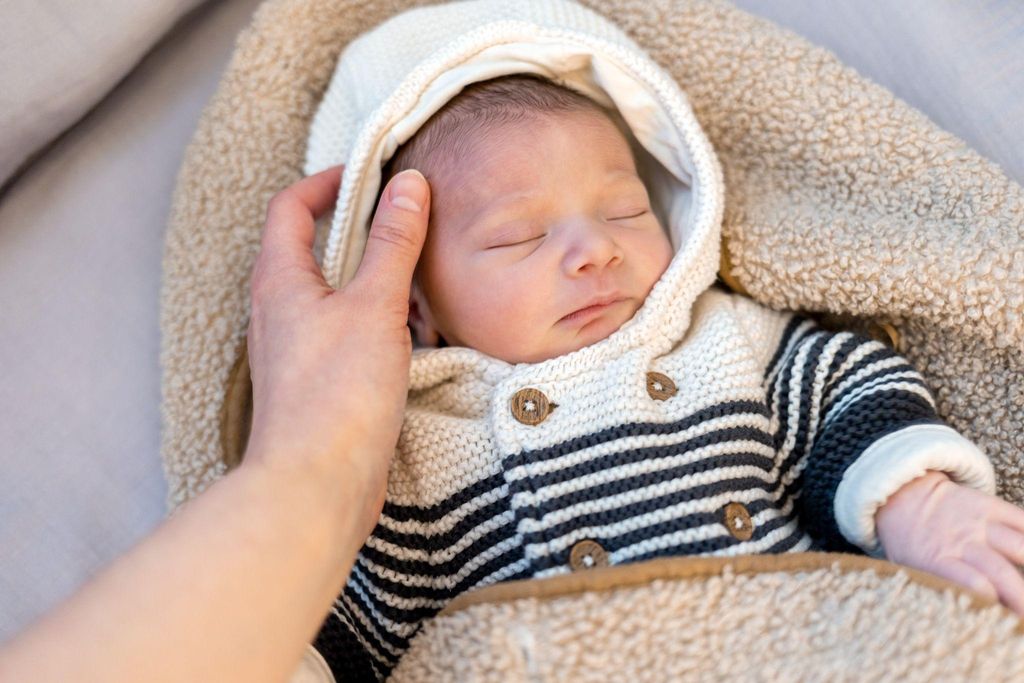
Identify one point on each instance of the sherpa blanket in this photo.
(840, 200)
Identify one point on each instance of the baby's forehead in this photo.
(479, 162)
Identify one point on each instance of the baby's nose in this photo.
(591, 248)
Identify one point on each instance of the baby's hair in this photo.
(446, 136)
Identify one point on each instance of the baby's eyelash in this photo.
(637, 215)
(515, 244)
(542, 235)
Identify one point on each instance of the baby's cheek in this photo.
(514, 329)
(513, 319)
(659, 257)
(665, 254)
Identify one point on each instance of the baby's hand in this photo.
(958, 533)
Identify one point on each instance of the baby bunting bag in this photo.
(839, 201)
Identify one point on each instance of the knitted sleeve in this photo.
(855, 423)
(352, 639)
(349, 645)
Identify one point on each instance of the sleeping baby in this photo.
(583, 393)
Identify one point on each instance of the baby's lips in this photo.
(602, 304)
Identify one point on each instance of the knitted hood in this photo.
(389, 81)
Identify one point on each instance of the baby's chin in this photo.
(564, 339)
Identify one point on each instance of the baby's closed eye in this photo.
(634, 213)
(519, 234)
(515, 236)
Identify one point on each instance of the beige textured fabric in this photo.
(819, 622)
(839, 198)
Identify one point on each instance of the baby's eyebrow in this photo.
(623, 173)
(501, 204)
(614, 178)
(626, 177)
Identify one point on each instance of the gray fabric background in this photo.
(81, 236)
(43, 48)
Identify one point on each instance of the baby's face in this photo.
(542, 218)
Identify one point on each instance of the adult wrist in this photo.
(344, 487)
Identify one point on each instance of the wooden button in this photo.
(885, 333)
(531, 407)
(738, 521)
(587, 554)
(660, 387)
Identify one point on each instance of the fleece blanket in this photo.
(840, 200)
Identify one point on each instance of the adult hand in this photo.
(254, 561)
(330, 368)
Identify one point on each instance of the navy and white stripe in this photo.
(642, 490)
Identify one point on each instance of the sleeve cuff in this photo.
(896, 459)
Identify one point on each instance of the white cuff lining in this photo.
(897, 459)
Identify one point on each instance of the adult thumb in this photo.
(396, 237)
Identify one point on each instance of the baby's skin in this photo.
(546, 217)
(956, 532)
(541, 219)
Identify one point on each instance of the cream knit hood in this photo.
(389, 82)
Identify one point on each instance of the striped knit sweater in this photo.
(769, 412)
(706, 425)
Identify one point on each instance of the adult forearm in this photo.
(262, 551)
(235, 585)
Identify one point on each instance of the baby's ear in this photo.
(420, 319)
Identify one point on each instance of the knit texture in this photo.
(614, 463)
(838, 198)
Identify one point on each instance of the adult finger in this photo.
(1007, 541)
(291, 219)
(396, 238)
(1008, 582)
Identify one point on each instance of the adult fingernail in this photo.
(409, 190)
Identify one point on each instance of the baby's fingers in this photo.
(1009, 542)
(1009, 514)
(1008, 582)
(967, 576)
